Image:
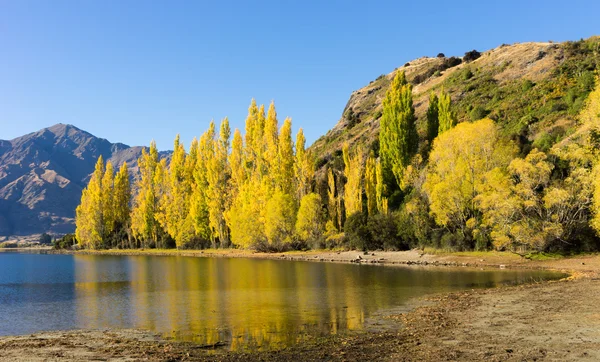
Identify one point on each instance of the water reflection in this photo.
(252, 303)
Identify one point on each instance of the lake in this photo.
(247, 303)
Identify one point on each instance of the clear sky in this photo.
(132, 71)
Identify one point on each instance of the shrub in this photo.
(471, 56)
(526, 85)
(66, 242)
(477, 113)
(355, 229)
(441, 55)
(383, 233)
(467, 74)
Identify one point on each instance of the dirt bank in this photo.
(582, 263)
(546, 321)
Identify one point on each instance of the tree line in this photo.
(459, 186)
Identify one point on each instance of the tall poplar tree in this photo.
(382, 201)
(89, 219)
(332, 200)
(398, 137)
(447, 117)
(286, 180)
(353, 169)
(371, 184)
(199, 212)
(433, 122)
(121, 200)
(303, 167)
(144, 226)
(218, 175)
(107, 202)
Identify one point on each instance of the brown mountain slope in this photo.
(43, 173)
(533, 90)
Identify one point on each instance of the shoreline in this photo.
(554, 320)
(573, 265)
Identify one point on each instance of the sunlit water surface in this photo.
(246, 303)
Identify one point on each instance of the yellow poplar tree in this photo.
(199, 213)
(175, 200)
(89, 221)
(332, 198)
(121, 198)
(271, 135)
(286, 172)
(382, 201)
(144, 226)
(107, 198)
(371, 184)
(303, 167)
(310, 224)
(218, 175)
(353, 169)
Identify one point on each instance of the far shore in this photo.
(577, 264)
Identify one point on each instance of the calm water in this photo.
(247, 303)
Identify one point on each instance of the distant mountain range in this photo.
(42, 175)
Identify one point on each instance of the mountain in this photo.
(42, 175)
(532, 90)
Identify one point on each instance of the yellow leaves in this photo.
(371, 184)
(104, 206)
(458, 169)
(309, 224)
(471, 223)
(280, 219)
(353, 169)
(556, 198)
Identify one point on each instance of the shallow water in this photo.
(247, 303)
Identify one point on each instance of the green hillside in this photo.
(533, 90)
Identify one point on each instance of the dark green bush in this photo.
(357, 233)
(526, 85)
(66, 242)
(471, 56)
(477, 113)
(383, 233)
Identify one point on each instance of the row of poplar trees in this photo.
(255, 190)
(251, 191)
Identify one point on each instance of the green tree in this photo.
(447, 117)
(398, 136)
(433, 122)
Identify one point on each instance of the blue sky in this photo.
(132, 71)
